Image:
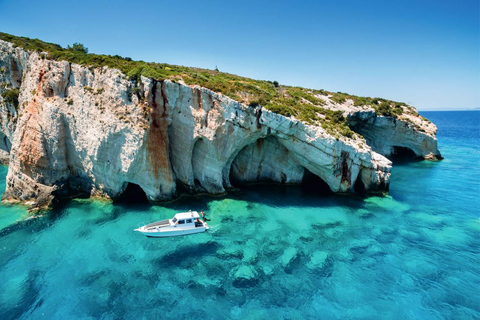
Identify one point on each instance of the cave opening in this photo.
(359, 187)
(403, 153)
(133, 194)
(265, 160)
(313, 184)
(239, 174)
(234, 181)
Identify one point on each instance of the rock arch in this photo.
(403, 152)
(265, 160)
(199, 154)
(314, 184)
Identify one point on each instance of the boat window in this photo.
(181, 222)
(174, 220)
(189, 221)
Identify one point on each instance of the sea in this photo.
(271, 251)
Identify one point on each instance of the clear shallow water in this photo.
(412, 255)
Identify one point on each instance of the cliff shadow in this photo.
(132, 195)
(5, 143)
(359, 188)
(314, 185)
(199, 154)
(404, 155)
(263, 161)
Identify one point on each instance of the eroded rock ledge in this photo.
(80, 130)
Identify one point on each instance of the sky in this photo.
(425, 53)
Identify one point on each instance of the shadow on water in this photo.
(306, 196)
(40, 221)
(189, 255)
(28, 302)
(404, 156)
(312, 192)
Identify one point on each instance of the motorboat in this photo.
(181, 224)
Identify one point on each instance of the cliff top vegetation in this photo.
(305, 104)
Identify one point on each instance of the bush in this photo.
(397, 111)
(11, 96)
(135, 73)
(384, 110)
(77, 47)
(335, 116)
(258, 102)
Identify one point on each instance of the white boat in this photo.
(180, 225)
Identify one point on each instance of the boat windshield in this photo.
(174, 220)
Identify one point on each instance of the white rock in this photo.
(81, 130)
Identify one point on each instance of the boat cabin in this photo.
(187, 219)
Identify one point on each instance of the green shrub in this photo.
(261, 101)
(384, 110)
(11, 96)
(397, 111)
(135, 73)
(77, 47)
(335, 116)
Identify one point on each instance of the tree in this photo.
(78, 47)
(275, 83)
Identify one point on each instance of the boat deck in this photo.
(158, 224)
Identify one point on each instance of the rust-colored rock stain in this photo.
(259, 145)
(33, 154)
(157, 139)
(199, 99)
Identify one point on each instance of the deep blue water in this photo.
(271, 252)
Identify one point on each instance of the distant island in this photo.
(76, 123)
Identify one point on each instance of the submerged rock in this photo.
(288, 257)
(318, 259)
(245, 276)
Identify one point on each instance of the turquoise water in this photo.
(271, 251)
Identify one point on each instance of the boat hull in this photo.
(166, 234)
(171, 233)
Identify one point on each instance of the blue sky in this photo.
(426, 53)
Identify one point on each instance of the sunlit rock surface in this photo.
(80, 130)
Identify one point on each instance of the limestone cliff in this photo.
(75, 129)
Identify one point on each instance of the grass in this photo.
(304, 104)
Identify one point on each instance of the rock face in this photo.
(389, 136)
(80, 130)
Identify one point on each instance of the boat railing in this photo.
(153, 224)
(144, 223)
